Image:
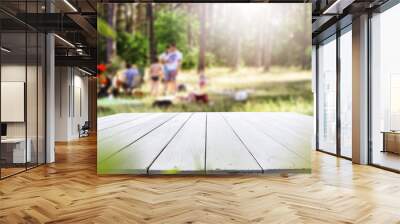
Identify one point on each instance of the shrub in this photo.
(133, 48)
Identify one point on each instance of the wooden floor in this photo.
(204, 143)
(386, 159)
(70, 191)
(5, 172)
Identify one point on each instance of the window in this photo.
(327, 95)
(385, 89)
(346, 92)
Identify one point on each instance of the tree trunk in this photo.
(202, 50)
(141, 19)
(238, 52)
(150, 22)
(189, 26)
(304, 33)
(210, 19)
(236, 24)
(267, 46)
(121, 21)
(111, 44)
(260, 43)
(267, 52)
(130, 24)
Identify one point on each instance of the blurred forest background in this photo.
(255, 56)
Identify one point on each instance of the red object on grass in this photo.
(101, 68)
(201, 98)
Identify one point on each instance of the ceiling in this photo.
(330, 15)
(74, 22)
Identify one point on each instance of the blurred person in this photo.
(156, 73)
(104, 81)
(163, 60)
(104, 85)
(131, 76)
(173, 61)
(202, 81)
(117, 86)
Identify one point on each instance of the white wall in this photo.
(15, 73)
(33, 126)
(62, 81)
(71, 102)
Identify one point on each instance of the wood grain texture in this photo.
(185, 154)
(121, 125)
(287, 136)
(137, 157)
(225, 152)
(209, 143)
(272, 156)
(126, 137)
(114, 121)
(70, 191)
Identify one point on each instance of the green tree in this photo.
(170, 27)
(133, 48)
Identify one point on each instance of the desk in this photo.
(391, 141)
(15, 148)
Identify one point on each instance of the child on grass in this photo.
(156, 74)
(202, 81)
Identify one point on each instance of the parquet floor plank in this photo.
(70, 191)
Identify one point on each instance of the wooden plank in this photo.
(271, 155)
(110, 117)
(117, 142)
(137, 157)
(185, 154)
(296, 137)
(127, 123)
(299, 144)
(297, 122)
(117, 120)
(293, 124)
(105, 122)
(224, 152)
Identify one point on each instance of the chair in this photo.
(84, 130)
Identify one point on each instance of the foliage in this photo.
(101, 49)
(233, 38)
(190, 59)
(105, 30)
(133, 48)
(115, 65)
(170, 27)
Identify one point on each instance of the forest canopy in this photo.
(233, 35)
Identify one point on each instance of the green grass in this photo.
(287, 90)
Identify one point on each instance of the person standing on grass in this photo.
(173, 61)
(163, 60)
(156, 74)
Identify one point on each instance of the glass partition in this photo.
(385, 89)
(32, 98)
(14, 153)
(327, 95)
(22, 94)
